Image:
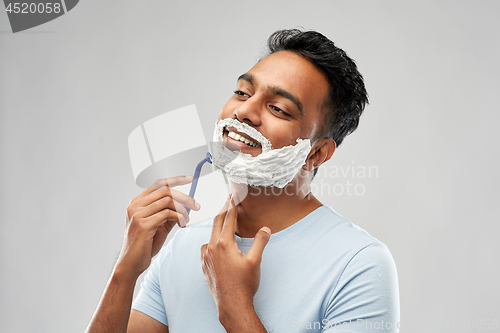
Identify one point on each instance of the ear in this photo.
(321, 151)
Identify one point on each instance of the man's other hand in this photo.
(232, 276)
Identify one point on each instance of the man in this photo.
(278, 260)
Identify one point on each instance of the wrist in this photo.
(234, 313)
(122, 275)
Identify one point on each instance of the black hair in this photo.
(347, 95)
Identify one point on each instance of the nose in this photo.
(249, 111)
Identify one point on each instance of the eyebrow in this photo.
(246, 77)
(276, 91)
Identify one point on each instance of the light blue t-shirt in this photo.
(322, 274)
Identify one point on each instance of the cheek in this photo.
(282, 134)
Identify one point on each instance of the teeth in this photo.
(238, 137)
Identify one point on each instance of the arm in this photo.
(139, 322)
(232, 276)
(113, 313)
(150, 217)
(242, 318)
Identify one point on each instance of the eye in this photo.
(278, 110)
(240, 93)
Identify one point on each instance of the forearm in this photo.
(241, 319)
(113, 311)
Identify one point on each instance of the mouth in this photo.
(241, 139)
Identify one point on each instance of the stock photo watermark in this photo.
(345, 325)
(25, 15)
(347, 180)
(341, 180)
(472, 324)
(462, 324)
(329, 180)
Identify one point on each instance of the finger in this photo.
(157, 206)
(164, 216)
(179, 180)
(205, 262)
(182, 210)
(185, 200)
(219, 221)
(165, 192)
(168, 182)
(259, 243)
(203, 251)
(165, 204)
(168, 202)
(229, 226)
(157, 194)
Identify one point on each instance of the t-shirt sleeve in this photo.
(366, 297)
(149, 299)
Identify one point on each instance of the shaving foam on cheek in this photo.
(273, 167)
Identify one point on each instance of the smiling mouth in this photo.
(238, 137)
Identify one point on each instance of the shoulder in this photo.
(353, 246)
(375, 257)
(335, 231)
(366, 257)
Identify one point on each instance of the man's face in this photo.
(281, 97)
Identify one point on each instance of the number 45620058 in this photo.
(477, 324)
(32, 8)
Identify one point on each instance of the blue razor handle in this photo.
(197, 171)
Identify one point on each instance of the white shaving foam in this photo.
(272, 167)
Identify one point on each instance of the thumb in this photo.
(259, 243)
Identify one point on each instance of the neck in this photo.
(273, 207)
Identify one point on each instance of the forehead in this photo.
(295, 74)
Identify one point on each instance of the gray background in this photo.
(73, 89)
